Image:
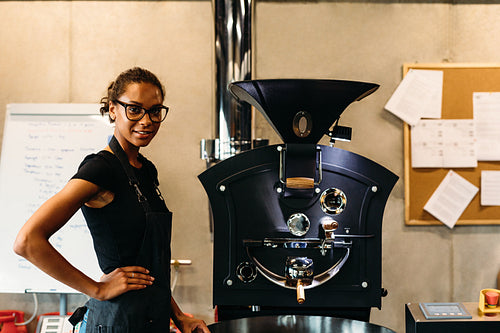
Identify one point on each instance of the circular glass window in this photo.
(333, 201)
(298, 224)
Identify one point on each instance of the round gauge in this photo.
(333, 201)
(298, 224)
(246, 272)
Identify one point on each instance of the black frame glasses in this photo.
(134, 112)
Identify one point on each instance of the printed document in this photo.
(490, 188)
(419, 95)
(451, 198)
(443, 143)
(487, 118)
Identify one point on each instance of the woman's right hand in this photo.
(121, 280)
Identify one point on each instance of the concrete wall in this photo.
(69, 51)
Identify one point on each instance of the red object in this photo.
(491, 298)
(8, 320)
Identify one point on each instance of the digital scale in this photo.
(444, 311)
(456, 317)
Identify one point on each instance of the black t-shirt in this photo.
(117, 229)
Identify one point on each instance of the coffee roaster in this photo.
(298, 225)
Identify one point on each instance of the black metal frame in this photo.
(246, 205)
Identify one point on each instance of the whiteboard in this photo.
(42, 148)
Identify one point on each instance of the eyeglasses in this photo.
(135, 112)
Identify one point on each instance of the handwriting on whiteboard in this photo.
(42, 148)
(47, 147)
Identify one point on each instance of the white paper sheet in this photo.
(451, 198)
(490, 188)
(487, 117)
(419, 95)
(446, 143)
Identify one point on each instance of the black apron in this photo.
(148, 309)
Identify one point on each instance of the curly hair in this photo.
(118, 87)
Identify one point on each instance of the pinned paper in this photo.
(451, 198)
(490, 188)
(447, 143)
(419, 95)
(487, 118)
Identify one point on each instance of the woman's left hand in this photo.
(188, 324)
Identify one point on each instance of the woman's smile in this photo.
(143, 134)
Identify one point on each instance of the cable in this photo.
(176, 274)
(35, 300)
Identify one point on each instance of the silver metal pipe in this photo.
(233, 62)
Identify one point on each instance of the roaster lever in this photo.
(329, 226)
(299, 273)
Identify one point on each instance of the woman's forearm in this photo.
(32, 241)
(44, 256)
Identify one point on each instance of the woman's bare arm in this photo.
(32, 242)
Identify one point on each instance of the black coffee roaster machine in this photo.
(297, 226)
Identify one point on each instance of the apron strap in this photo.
(133, 181)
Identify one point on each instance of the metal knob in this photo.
(329, 226)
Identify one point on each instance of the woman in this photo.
(127, 217)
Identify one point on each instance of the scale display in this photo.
(444, 311)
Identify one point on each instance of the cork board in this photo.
(460, 81)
